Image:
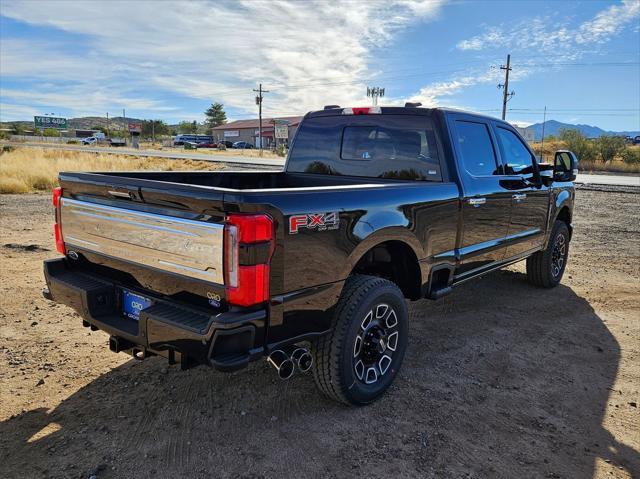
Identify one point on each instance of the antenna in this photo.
(374, 92)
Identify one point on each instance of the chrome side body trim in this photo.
(186, 247)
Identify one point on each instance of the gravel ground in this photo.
(500, 380)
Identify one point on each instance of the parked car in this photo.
(242, 145)
(117, 142)
(91, 140)
(190, 145)
(180, 140)
(310, 267)
(207, 144)
(227, 144)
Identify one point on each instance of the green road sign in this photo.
(45, 122)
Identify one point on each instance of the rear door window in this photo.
(382, 146)
(476, 148)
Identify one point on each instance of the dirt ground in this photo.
(500, 380)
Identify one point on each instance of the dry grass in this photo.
(25, 170)
(253, 153)
(615, 166)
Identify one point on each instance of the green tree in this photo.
(215, 115)
(103, 129)
(188, 127)
(631, 155)
(575, 141)
(51, 132)
(154, 127)
(17, 129)
(610, 147)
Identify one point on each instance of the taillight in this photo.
(57, 227)
(365, 110)
(248, 245)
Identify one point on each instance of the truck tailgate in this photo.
(167, 243)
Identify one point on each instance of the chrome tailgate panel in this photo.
(186, 247)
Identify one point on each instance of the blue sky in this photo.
(169, 60)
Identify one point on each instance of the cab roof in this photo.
(335, 110)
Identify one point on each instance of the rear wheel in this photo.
(357, 362)
(545, 268)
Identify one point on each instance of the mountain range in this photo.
(553, 127)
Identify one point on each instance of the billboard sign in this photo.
(282, 131)
(135, 128)
(231, 133)
(44, 122)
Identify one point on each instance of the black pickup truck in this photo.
(310, 267)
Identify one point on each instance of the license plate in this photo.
(133, 303)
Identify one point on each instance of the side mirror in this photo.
(565, 166)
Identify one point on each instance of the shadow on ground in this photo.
(501, 380)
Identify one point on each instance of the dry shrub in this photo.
(36, 169)
(12, 185)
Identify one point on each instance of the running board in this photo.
(439, 293)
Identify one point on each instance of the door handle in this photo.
(476, 201)
(519, 196)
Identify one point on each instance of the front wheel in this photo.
(545, 268)
(357, 362)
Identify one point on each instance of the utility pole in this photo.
(153, 131)
(506, 94)
(544, 120)
(108, 134)
(260, 91)
(374, 92)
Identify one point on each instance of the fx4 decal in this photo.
(314, 221)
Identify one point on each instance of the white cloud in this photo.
(10, 111)
(609, 22)
(544, 35)
(539, 35)
(216, 51)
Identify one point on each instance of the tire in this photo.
(545, 268)
(359, 346)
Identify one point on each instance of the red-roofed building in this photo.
(247, 130)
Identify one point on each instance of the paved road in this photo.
(613, 180)
(244, 160)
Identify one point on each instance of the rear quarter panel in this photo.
(423, 215)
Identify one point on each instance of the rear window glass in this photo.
(378, 146)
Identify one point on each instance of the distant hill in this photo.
(553, 127)
(116, 123)
(88, 122)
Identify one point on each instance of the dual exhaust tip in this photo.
(285, 363)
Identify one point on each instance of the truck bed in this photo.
(241, 181)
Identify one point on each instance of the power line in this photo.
(281, 86)
(569, 110)
(593, 64)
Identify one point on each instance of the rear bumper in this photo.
(227, 341)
